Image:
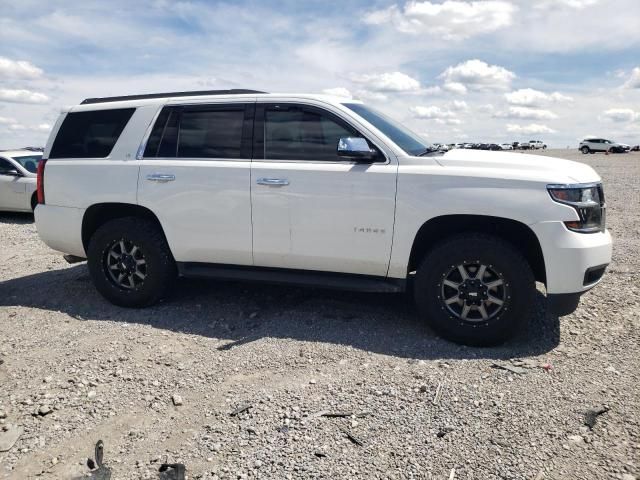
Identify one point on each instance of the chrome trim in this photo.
(273, 182)
(161, 177)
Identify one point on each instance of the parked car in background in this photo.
(536, 145)
(18, 180)
(635, 148)
(524, 146)
(506, 146)
(592, 145)
(315, 190)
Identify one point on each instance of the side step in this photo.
(281, 276)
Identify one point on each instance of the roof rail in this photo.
(234, 91)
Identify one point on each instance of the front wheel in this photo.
(475, 289)
(130, 262)
(585, 150)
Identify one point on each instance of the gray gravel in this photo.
(160, 384)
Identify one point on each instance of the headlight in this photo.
(588, 201)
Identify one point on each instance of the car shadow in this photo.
(16, 218)
(242, 312)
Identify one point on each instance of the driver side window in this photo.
(296, 133)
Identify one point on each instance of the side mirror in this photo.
(11, 172)
(356, 148)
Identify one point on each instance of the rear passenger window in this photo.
(90, 134)
(211, 133)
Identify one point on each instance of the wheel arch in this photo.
(512, 231)
(100, 213)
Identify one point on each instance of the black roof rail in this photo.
(233, 91)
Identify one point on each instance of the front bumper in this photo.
(574, 262)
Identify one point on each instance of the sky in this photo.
(453, 71)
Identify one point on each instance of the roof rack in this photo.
(234, 91)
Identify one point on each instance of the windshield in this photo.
(398, 133)
(29, 162)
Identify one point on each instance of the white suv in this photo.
(316, 190)
(592, 145)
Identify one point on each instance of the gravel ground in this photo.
(160, 384)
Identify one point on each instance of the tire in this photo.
(147, 271)
(34, 201)
(504, 266)
(585, 150)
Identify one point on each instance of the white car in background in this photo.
(18, 180)
(506, 146)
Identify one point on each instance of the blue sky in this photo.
(484, 70)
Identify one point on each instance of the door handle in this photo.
(273, 182)
(161, 177)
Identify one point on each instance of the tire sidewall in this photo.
(157, 266)
(503, 259)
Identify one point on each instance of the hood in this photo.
(520, 165)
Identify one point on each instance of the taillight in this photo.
(40, 181)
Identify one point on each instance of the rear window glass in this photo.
(90, 134)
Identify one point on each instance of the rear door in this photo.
(195, 177)
(313, 210)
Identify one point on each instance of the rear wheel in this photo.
(585, 150)
(130, 262)
(475, 289)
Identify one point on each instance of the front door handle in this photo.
(273, 182)
(161, 177)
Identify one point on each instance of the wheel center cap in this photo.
(127, 264)
(473, 291)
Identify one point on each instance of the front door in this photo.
(13, 188)
(195, 177)
(311, 209)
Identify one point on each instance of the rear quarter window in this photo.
(90, 134)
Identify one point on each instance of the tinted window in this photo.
(211, 133)
(5, 166)
(29, 162)
(151, 149)
(90, 134)
(294, 133)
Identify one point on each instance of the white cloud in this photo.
(6, 121)
(477, 75)
(22, 96)
(455, 87)
(527, 113)
(529, 129)
(431, 112)
(529, 97)
(451, 19)
(634, 79)
(18, 69)
(387, 82)
(577, 4)
(621, 115)
(367, 95)
(338, 92)
(459, 105)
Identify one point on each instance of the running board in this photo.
(281, 276)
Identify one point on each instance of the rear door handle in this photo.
(161, 177)
(273, 182)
